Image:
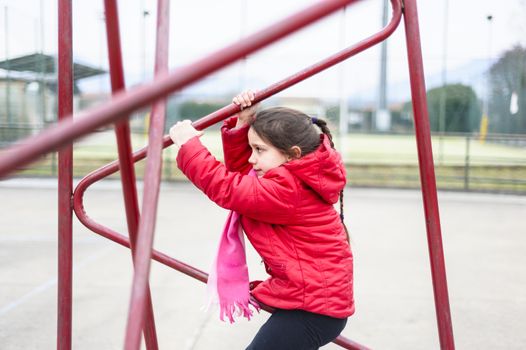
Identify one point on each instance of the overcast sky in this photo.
(202, 26)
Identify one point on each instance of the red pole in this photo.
(124, 147)
(152, 180)
(65, 178)
(121, 105)
(427, 175)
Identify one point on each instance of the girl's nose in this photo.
(252, 159)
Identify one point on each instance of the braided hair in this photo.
(285, 127)
(322, 124)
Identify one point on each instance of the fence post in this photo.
(466, 164)
(168, 164)
(53, 164)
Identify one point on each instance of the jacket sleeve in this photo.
(236, 149)
(271, 199)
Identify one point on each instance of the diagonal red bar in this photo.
(152, 180)
(126, 165)
(311, 70)
(427, 175)
(65, 179)
(121, 105)
(231, 109)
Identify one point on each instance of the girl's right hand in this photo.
(248, 111)
(183, 131)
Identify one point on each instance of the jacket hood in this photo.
(321, 170)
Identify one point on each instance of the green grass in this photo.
(371, 160)
(447, 150)
(357, 148)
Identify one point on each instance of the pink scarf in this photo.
(228, 283)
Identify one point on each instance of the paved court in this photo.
(484, 241)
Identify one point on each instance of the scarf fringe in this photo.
(237, 308)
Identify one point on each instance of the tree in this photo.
(189, 109)
(195, 110)
(461, 108)
(507, 108)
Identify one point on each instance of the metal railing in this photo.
(463, 162)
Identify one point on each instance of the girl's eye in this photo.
(259, 150)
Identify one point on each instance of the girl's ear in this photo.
(295, 152)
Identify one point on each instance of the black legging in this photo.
(296, 330)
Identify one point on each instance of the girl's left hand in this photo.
(183, 131)
(248, 111)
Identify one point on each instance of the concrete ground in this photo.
(484, 242)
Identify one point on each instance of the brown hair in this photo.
(285, 128)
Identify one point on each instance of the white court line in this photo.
(52, 282)
(191, 342)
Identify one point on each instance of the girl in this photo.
(287, 213)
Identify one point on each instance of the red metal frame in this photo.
(220, 115)
(65, 179)
(125, 102)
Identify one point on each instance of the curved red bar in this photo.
(125, 242)
(212, 119)
(231, 109)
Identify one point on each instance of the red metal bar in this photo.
(121, 105)
(122, 132)
(152, 180)
(231, 109)
(427, 175)
(311, 70)
(65, 179)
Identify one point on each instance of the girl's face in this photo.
(264, 155)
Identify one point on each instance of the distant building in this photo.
(23, 101)
(28, 89)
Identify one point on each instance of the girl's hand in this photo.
(183, 131)
(248, 112)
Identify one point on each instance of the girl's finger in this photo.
(246, 99)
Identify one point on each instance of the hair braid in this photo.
(342, 218)
(322, 124)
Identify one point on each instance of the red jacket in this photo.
(288, 216)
